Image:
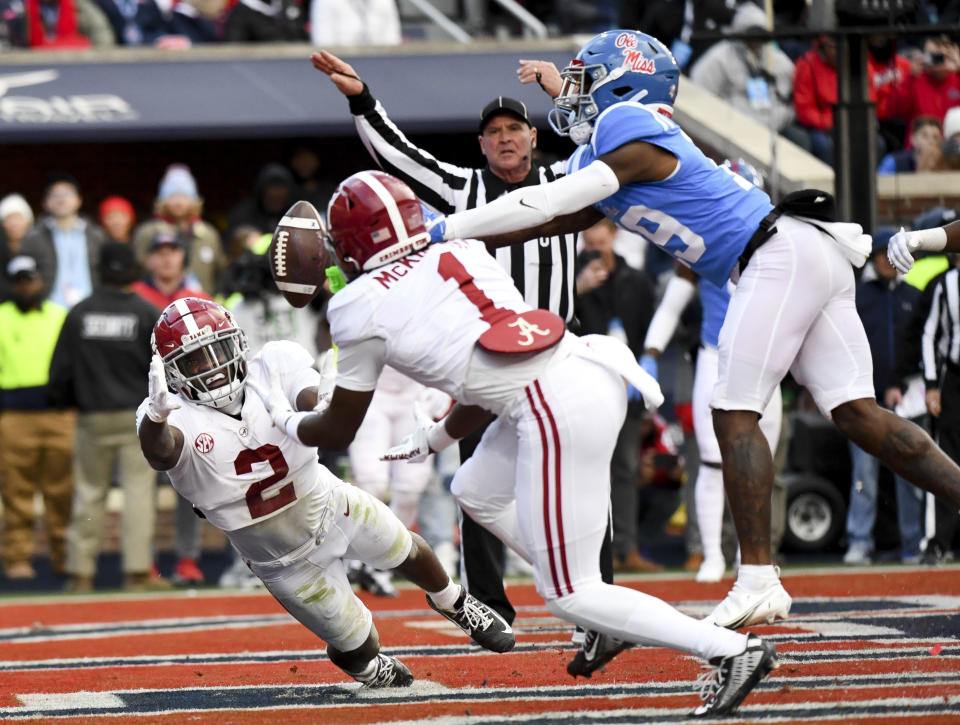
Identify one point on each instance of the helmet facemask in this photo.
(574, 109)
(210, 370)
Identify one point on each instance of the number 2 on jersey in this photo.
(258, 505)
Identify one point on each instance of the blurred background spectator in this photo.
(271, 21)
(166, 278)
(179, 205)
(65, 244)
(64, 25)
(941, 375)
(347, 22)
(934, 85)
(754, 76)
(924, 153)
(886, 305)
(99, 368)
(275, 190)
(117, 218)
(36, 440)
(16, 217)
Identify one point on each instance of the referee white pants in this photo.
(540, 480)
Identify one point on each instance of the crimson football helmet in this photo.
(373, 219)
(204, 352)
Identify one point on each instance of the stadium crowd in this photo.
(81, 278)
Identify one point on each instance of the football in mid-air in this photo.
(297, 254)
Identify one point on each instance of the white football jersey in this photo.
(242, 471)
(426, 308)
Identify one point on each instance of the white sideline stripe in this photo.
(69, 701)
(779, 712)
(301, 289)
(300, 222)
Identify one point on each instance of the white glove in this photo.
(903, 244)
(415, 447)
(327, 365)
(275, 401)
(900, 250)
(160, 402)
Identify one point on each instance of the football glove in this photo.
(437, 229)
(160, 402)
(327, 364)
(275, 401)
(900, 250)
(415, 447)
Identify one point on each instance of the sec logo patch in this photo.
(204, 443)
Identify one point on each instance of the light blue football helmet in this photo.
(745, 169)
(616, 66)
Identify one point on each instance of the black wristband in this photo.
(363, 102)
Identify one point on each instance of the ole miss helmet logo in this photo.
(204, 443)
(634, 59)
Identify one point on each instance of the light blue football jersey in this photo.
(714, 300)
(703, 215)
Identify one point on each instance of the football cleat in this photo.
(378, 583)
(595, 652)
(742, 608)
(711, 570)
(389, 672)
(487, 628)
(731, 678)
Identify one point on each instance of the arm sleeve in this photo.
(676, 297)
(359, 365)
(443, 186)
(531, 206)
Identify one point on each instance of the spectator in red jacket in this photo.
(815, 89)
(934, 87)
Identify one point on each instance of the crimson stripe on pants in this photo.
(557, 501)
(544, 447)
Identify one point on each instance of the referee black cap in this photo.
(503, 104)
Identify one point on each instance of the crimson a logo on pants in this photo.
(204, 443)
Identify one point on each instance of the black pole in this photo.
(854, 134)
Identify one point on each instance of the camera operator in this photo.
(934, 85)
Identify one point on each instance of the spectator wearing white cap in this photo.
(179, 204)
(16, 217)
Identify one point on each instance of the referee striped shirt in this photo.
(542, 268)
(941, 329)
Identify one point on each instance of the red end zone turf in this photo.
(871, 645)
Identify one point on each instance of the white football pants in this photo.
(540, 481)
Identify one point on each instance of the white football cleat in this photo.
(742, 608)
(711, 570)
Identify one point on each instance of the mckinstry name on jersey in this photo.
(702, 215)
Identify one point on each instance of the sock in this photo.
(709, 500)
(757, 576)
(367, 672)
(447, 597)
